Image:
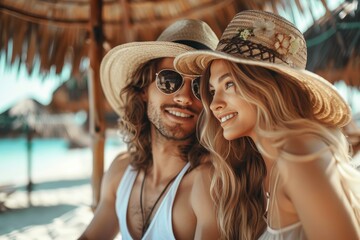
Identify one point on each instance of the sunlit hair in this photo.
(134, 125)
(283, 109)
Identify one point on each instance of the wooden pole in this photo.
(30, 184)
(126, 26)
(97, 121)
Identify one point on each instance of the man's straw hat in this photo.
(267, 40)
(120, 63)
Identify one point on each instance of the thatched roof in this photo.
(334, 45)
(53, 33)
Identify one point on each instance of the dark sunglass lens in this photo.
(169, 81)
(196, 87)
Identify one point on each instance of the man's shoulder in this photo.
(117, 168)
(120, 162)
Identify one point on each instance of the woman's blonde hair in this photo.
(284, 108)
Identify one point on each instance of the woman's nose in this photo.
(217, 104)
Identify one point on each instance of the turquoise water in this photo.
(51, 159)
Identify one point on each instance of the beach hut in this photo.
(76, 34)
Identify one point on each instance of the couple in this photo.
(276, 162)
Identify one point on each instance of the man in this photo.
(150, 191)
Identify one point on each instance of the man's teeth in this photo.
(179, 114)
(227, 117)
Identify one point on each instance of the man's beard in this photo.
(176, 132)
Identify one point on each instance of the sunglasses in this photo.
(169, 81)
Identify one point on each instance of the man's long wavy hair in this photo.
(134, 124)
(284, 109)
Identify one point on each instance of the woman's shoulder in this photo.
(204, 169)
(306, 148)
(304, 144)
(198, 177)
(304, 155)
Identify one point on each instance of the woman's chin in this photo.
(229, 137)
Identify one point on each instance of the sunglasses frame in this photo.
(182, 83)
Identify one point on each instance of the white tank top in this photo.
(161, 225)
(290, 232)
(294, 231)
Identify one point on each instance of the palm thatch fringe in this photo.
(53, 34)
(6, 24)
(32, 48)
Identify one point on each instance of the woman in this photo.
(274, 130)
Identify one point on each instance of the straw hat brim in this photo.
(329, 106)
(119, 64)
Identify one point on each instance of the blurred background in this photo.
(57, 132)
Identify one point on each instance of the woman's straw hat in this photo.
(267, 40)
(120, 63)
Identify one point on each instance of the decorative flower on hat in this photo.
(295, 45)
(285, 44)
(245, 33)
(263, 28)
(282, 43)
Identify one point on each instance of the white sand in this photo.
(61, 213)
(61, 199)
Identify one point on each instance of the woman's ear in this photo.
(144, 94)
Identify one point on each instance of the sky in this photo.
(16, 86)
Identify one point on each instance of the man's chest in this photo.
(142, 207)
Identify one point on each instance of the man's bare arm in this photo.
(105, 224)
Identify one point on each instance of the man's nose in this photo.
(184, 96)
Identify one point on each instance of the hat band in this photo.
(247, 49)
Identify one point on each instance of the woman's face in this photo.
(237, 117)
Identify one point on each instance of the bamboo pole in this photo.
(29, 151)
(97, 121)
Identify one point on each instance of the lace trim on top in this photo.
(284, 229)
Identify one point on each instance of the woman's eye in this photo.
(212, 92)
(229, 85)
